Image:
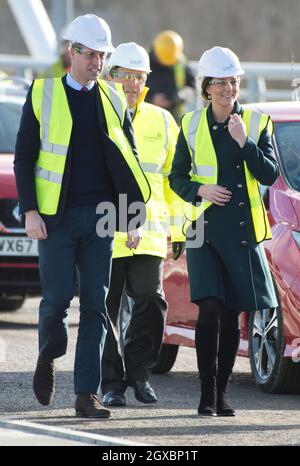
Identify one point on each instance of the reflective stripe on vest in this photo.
(46, 145)
(160, 227)
(112, 90)
(48, 175)
(51, 109)
(201, 149)
(155, 133)
(111, 99)
(149, 167)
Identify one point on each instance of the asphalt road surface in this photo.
(261, 419)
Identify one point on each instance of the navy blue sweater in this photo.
(90, 181)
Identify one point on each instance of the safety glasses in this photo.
(89, 54)
(222, 83)
(126, 76)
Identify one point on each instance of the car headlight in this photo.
(296, 236)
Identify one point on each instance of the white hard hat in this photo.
(219, 62)
(91, 31)
(131, 56)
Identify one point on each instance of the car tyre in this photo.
(11, 303)
(273, 373)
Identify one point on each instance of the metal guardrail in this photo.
(258, 84)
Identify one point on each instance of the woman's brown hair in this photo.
(204, 85)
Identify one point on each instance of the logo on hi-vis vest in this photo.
(152, 137)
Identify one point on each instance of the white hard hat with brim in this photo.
(91, 31)
(219, 62)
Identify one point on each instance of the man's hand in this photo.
(215, 194)
(133, 238)
(35, 226)
(177, 249)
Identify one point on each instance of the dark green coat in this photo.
(230, 265)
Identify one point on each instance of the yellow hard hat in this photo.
(168, 47)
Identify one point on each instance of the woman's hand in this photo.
(237, 129)
(215, 194)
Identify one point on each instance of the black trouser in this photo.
(136, 283)
(217, 339)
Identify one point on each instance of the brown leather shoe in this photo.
(88, 405)
(44, 381)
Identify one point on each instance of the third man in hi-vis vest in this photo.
(223, 153)
(139, 272)
(75, 154)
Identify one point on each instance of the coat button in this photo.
(215, 127)
(207, 242)
(242, 224)
(205, 222)
(244, 243)
(239, 167)
(241, 204)
(239, 186)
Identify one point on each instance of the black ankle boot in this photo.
(223, 407)
(207, 406)
(228, 346)
(207, 349)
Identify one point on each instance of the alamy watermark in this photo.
(296, 351)
(131, 217)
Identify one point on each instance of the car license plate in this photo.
(18, 246)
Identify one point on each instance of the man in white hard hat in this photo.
(75, 153)
(139, 272)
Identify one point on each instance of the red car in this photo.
(270, 338)
(18, 254)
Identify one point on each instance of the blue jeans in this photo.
(75, 246)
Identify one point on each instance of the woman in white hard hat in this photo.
(222, 152)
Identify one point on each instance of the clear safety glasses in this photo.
(222, 83)
(89, 54)
(126, 76)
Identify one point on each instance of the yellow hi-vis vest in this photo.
(51, 109)
(205, 167)
(155, 132)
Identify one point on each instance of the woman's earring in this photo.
(209, 96)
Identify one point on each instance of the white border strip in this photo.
(67, 434)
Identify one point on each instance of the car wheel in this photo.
(166, 360)
(11, 303)
(273, 373)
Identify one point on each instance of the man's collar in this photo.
(71, 82)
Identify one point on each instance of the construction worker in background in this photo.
(139, 272)
(75, 153)
(172, 84)
(63, 63)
